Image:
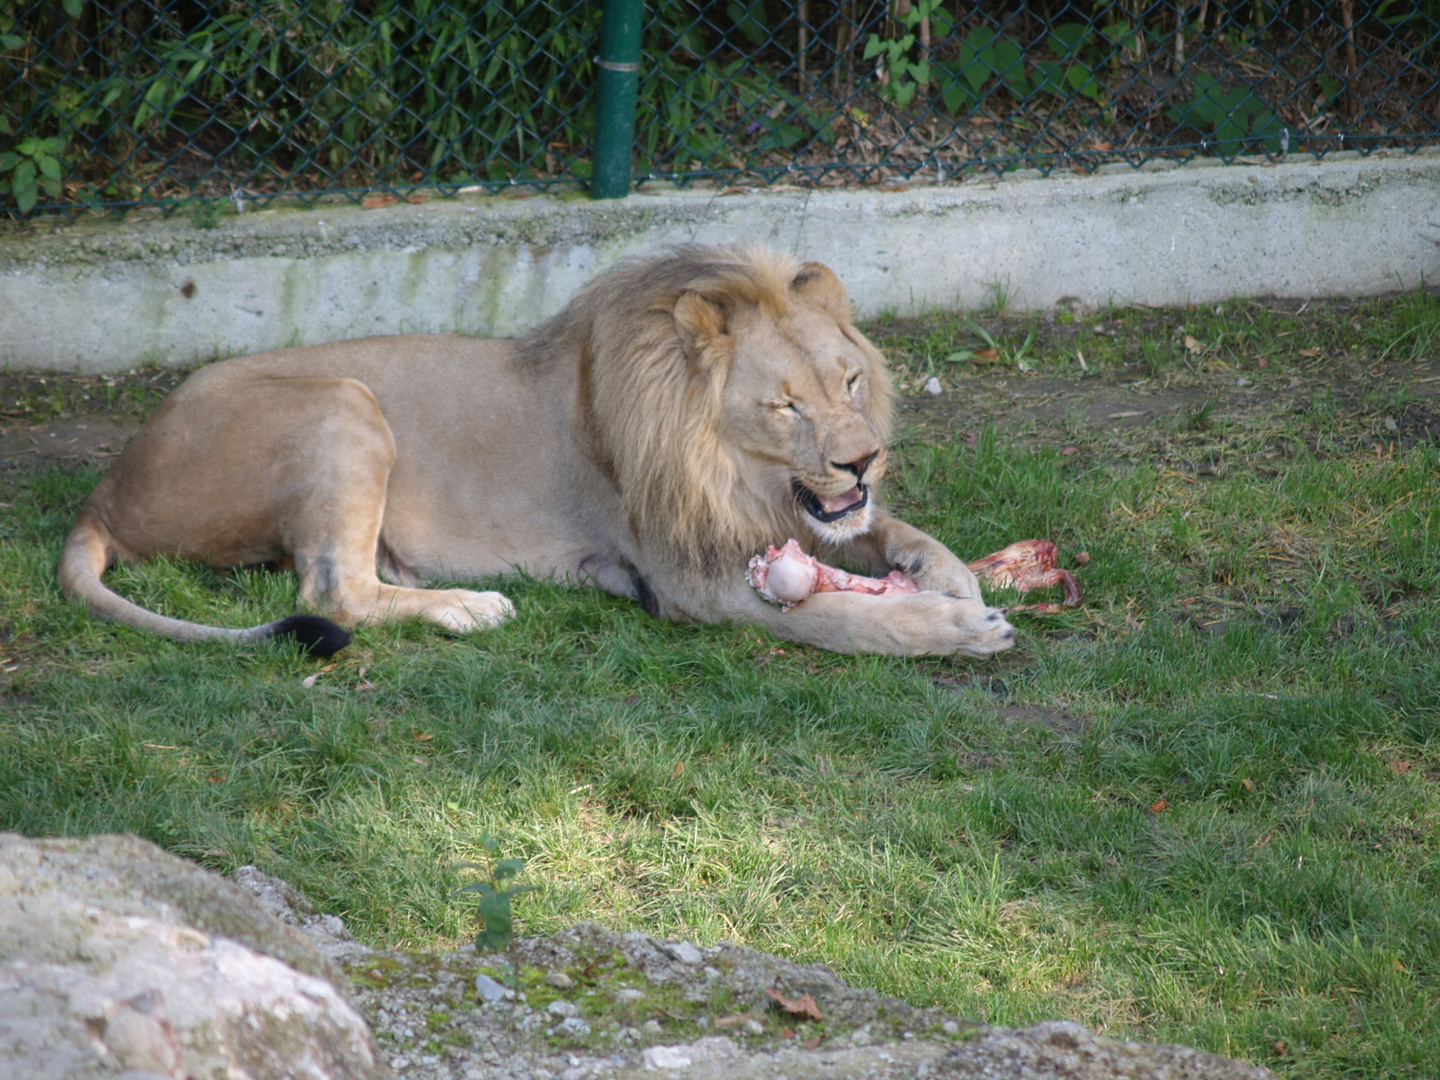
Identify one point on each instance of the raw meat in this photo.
(1026, 565)
(787, 575)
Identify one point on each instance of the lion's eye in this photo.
(852, 382)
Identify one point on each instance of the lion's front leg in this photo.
(914, 624)
(891, 544)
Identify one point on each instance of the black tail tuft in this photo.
(318, 637)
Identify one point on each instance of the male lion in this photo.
(676, 417)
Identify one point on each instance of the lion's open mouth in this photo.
(836, 506)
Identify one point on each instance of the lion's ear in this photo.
(816, 283)
(700, 322)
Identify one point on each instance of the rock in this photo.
(1059, 1050)
(116, 956)
(490, 990)
(684, 952)
(326, 932)
(667, 1057)
(710, 1048)
(118, 960)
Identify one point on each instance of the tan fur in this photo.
(648, 439)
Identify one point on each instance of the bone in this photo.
(787, 575)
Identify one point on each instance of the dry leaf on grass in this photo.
(375, 202)
(732, 1020)
(804, 1005)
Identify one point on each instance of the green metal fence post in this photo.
(619, 83)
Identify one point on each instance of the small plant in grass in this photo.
(1203, 418)
(205, 214)
(1413, 331)
(1156, 360)
(494, 919)
(996, 352)
(1002, 295)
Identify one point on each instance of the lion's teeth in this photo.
(836, 503)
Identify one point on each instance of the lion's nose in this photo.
(859, 465)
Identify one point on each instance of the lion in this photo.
(676, 417)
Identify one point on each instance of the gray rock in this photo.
(111, 949)
(326, 932)
(490, 990)
(710, 1048)
(683, 951)
(1059, 1050)
(116, 956)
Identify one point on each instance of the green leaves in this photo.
(1077, 59)
(1232, 117)
(905, 75)
(988, 59)
(497, 932)
(749, 19)
(34, 165)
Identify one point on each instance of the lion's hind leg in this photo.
(334, 521)
(239, 468)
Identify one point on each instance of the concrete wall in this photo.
(107, 296)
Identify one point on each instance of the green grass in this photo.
(1203, 809)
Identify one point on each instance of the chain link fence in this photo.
(116, 104)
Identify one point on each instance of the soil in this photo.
(1172, 416)
(1187, 404)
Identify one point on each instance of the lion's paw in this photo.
(976, 629)
(462, 610)
(940, 572)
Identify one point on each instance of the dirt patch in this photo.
(1054, 718)
(1384, 403)
(1395, 404)
(1149, 389)
(74, 439)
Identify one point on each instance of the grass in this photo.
(1203, 809)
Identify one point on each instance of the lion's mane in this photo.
(650, 402)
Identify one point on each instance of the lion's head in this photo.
(729, 397)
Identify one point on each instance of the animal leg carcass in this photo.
(787, 575)
(1026, 565)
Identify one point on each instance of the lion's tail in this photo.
(90, 549)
